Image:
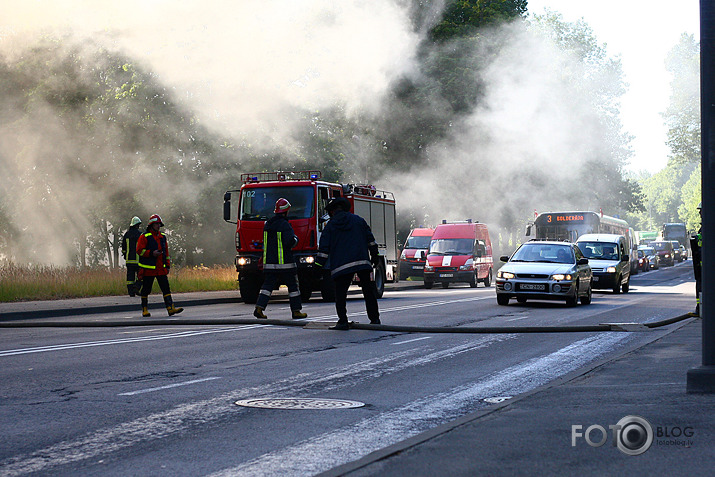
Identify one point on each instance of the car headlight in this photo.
(611, 269)
(561, 276)
(667, 255)
(506, 275)
(402, 255)
(428, 268)
(309, 259)
(243, 261)
(468, 265)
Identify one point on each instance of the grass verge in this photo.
(25, 283)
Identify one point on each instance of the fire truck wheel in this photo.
(380, 280)
(488, 279)
(249, 287)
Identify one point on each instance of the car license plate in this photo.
(417, 267)
(532, 286)
(446, 275)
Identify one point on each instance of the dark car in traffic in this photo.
(643, 261)
(652, 256)
(664, 249)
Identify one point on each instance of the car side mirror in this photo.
(582, 261)
(504, 258)
(528, 231)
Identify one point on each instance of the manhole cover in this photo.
(497, 399)
(299, 403)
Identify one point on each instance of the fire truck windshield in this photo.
(257, 203)
(451, 247)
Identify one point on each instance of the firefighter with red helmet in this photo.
(154, 262)
(278, 263)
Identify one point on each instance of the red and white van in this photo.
(459, 252)
(412, 263)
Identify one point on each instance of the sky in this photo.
(641, 32)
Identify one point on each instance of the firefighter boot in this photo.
(258, 313)
(170, 308)
(297, 315)
(131, 290)
(145, 307)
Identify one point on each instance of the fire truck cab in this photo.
(308, 196)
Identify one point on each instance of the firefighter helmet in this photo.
(135, 221)
(282, 206)
(155, 218)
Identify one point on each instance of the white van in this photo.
(609, 258)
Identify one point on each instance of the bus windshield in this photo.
(258, 203)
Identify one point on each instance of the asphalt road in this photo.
(161, 400)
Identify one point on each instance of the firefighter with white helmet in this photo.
(278, 263)
(153, 251)
(129, 251)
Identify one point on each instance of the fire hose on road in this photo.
(628, 327)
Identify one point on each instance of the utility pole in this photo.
(702, 378)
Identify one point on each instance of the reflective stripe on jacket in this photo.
(278, 241)
(129, 245)
(349, 242)
(146, 245)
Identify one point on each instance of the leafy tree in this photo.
(682, 117)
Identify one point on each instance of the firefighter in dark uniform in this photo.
(349, 243)
(696, 246)
(278, 263)
(129, 251)
(154, 262)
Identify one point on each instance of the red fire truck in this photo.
(308, 196)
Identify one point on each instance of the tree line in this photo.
(92, 137)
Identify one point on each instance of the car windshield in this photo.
(540, 252)
(451, 247)
(599, 250)
(662, 246)
(648, 251)
(258, 203)
(418, 242)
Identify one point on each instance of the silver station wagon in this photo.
(544, 270)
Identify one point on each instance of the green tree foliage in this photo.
(463, 18)
(672, 194)
(682, 117)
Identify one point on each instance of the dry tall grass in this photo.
(21, 283)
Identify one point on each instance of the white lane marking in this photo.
(338, 447)
(88, 344)
(168, 386)
(518, 318)
(43, 349)
(411, 341)
(178, 419)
